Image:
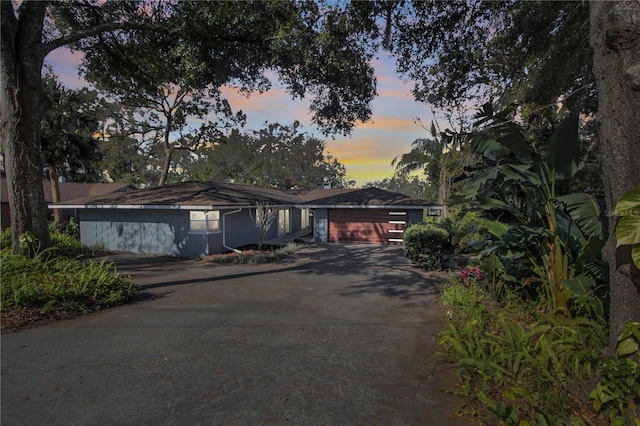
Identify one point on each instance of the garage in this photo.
(367, 225)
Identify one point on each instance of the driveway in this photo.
(332, 335)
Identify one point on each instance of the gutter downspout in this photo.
(224, 231)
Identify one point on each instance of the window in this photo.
(283, 221)
(304, 218)
(204, 221)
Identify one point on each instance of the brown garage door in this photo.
(367, 225)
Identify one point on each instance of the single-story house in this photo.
(68, 191)
(194, 219)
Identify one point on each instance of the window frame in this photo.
(211, 221)
(287, 219)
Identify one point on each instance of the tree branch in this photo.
(100, 29)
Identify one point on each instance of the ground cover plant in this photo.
(56, 283)
(527, 322)
(254, 256)
(517, 365)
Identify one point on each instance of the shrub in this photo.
(619, 388)
(59, 284)
(518, 366)
(254, 258)
(423, 244)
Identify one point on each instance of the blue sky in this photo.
(367, 153)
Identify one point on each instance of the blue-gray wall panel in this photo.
(142, 231)
(415, 216)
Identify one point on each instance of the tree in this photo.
(276, 156)
(266, 214)
(411, 186)
(441, 158)
(314, 51)
(615, 39)
(68, 145)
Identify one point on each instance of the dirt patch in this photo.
(18, 319)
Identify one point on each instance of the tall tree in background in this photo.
(68, 145)
(411, 186)
(276, 156)
(315, 52)
(440, 157)
(615, 38)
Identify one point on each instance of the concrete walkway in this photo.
(332, 335)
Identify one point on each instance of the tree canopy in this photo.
(276, 156)
(315, 50)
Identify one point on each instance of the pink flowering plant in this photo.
(470, 273)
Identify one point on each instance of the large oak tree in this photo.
(315, 51)
(615, 38)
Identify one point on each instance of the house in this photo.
(68, 191)
(193, 219)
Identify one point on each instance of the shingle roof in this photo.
(192, 194)
(213, 194)
(361, 197)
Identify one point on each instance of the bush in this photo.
(423, 244)
(59, 284)
(251, 257)
(519, 366)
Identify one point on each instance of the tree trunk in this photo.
(615, 39)
(23, 106)
(55, 193)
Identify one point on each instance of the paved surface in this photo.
(333, 335)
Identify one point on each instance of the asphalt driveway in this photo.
(332, 335)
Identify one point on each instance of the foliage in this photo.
(495, 277)
(543, 237)
(628, 226)
(475, 50)
(411, 186)
(69, 147)
(58, 284)
(276, 156)
(619, 388)
(423, 244)
(254, 258)
(441, 158)
(517, 366)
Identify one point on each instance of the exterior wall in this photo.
(143, 231)
(321, 225)
(415, 216)
(241, 227)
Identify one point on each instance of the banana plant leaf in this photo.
(514, 139)
(495, 228)
(561, 152)
(524, 234)
(585, 212)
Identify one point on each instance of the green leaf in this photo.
(561, 152)
(635, 255)
(515, 141)
(628, 230)
(585, 212)
(630, 202)
(627, 347)
(496, 228)
(580, 285)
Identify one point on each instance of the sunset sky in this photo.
(366, 154)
